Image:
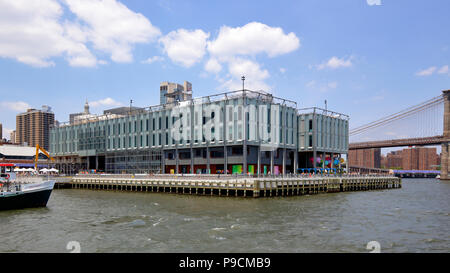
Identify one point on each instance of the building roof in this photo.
(14, 150)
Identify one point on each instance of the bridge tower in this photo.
(445, 157)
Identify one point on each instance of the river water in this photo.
(414, 218)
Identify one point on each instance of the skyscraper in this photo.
(33, 126)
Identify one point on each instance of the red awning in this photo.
(6, 165)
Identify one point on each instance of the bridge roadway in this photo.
(422, 141)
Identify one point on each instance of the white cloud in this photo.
(30, 32)
(334, 63)
(321, 86)
(105, 102)
(311, 83)
(185, 47)
(34, 32)
(251, 39)
(373, 2)
(254, 74)
(234, 46)
(17, 106)
(212, 65)
(443, 70)
(426, 72)
(113, 28)
(153, 59)
(332, 85)
(431, 70)
(282, 70)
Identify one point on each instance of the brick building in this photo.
(369, 158)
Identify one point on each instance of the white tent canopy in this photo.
(53, 170)
(44, 170)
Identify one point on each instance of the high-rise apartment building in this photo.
(369, 158)
(394, 160)
(171, 92)
(420, 158)
(33, 126)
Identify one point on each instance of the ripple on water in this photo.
(137, 223)
(413, 218)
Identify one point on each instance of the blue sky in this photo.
(368, 58)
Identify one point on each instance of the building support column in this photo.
(225, 158)
(192, 160)
(271, 161)
(208, 166)
(332, 160)
(176, 160)
(259, 160)
(163, 162)
(284, 160)
(295, 161)
(346, 163)
(445, 160)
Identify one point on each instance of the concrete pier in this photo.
(236, 187)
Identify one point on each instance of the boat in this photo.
(17, 195)
(438, 177)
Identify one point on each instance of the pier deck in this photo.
(243, 187)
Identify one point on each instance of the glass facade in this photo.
(136, 143)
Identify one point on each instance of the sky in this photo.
(367, 58)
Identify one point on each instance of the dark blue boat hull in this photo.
(25, 200)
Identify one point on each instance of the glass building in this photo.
(234, 132)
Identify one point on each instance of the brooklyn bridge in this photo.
(424, 124)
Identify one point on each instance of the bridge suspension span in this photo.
(423, 121)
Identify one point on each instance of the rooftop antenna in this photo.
(243, 80)
(131, 103)
(326, 107)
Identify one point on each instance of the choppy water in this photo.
(414, 218)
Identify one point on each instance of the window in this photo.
(310, 125)
(153, 124)
(159, 123)
(212, 115)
